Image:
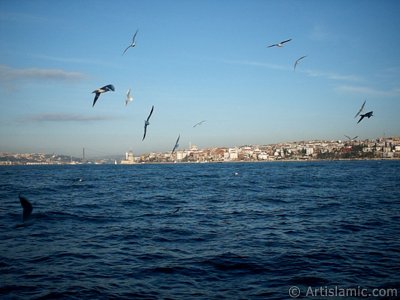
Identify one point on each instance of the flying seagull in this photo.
(201, 122)
(362, 116)
(99, 91)
(297, 61)
(361, 109)
(26, 206)
(147, 123)
(133, 42)
(351, 138)
(129, 98)
(176, 145)
(280, 44)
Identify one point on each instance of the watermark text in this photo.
(336, 291)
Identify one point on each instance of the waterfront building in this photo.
(129, 158)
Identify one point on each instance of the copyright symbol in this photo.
(294, 292)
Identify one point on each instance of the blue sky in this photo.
(194, 60)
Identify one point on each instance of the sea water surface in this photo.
(199, 231)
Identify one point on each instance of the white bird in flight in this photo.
(129, 98)
(133, 42)
(280, 44)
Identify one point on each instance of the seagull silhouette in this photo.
(351, 138)
(133, 42)
(26, 206)
(129, 98)
(280, 44)
(361, 109)
(297, 61)
(368, 115)
(201, 122)
(147, 123)
(176, 145)
(99, 91)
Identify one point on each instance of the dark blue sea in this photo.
(201, 231)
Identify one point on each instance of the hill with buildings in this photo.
(302, 150)
(381, 148)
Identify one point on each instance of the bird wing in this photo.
(109, 87)
(272, 45)
(348, 137)
(362, 117)
(362, 106)
(361, 109)
(134, 37)
(126, 49)
(176, 144)
(173, 150)
(151, 112)
(95, 98)
(201, 122)
(145, 130)
(27, 208)
(286, 41)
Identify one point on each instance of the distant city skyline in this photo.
(194, 61)
(380, 148)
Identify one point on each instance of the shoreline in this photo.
(202, 162)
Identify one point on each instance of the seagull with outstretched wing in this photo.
(147, 123)
(280, 44)
(297, 61)
(129, 98)
(197, 124)
(351, 139)
(133, 42)
(361, 109)
(101, 90)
